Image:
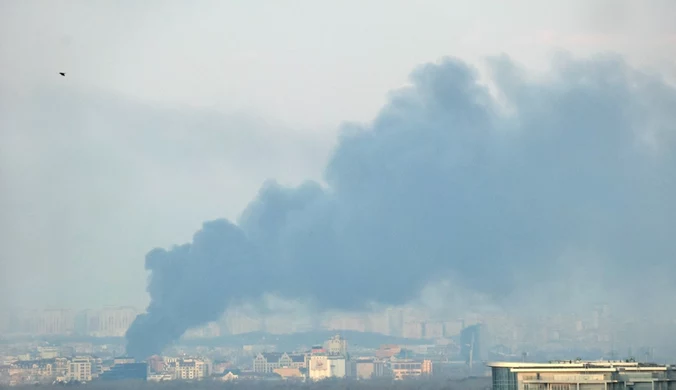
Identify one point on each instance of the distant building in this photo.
(289, 373)
(156, 364)
(189, 369)
(336, 346)
(339, 366)
(369, 368)
(110, 321)
(268, 362)
(126, 371)
(377, 322)
(579, 375)
(386, 351)
(472, 345)
(123, 360)
(238, 320)
(453, 328)
(43, 322)
(319, 367)
(406, 369)
(35, 371)
(434, 330)
(413, 330)
(395, 321)
(426, 367)
(80, 369)
(48, 352)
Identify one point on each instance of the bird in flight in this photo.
(62, 73)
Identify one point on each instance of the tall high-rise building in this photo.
(345, 321)
(395, 319)
(472, 345)
(434, 330)
(43, 322)
(110, 321)
(378, 323)
(413, 330)
(238, 321)
(453, 328)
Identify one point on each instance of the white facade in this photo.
(319, 367)
(192, 369)
(80, 369)
(324, 366)
(338, 367)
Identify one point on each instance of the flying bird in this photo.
(62, 73)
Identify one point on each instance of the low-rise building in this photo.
(578, 375)
(126, 371)
(290, 373)
(369, 368)
(405, 369)
(387, 351)
(80, 368)
(35, 371)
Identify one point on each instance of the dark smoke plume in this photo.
(449, 180)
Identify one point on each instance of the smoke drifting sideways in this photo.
(496, 190)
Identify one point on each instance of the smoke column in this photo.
(449, 181)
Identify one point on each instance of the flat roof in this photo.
(586, 365)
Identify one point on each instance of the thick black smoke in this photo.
(447, 182)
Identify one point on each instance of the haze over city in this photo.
(321, 166)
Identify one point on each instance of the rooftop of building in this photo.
(603, 365)
(271, 355)
(30, 363)
(297, 358)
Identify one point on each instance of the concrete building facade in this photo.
(604, 375)
(339, 367)
(269, 362)
(319, 367)
(369, 368)
(80, 369)
(405, 369)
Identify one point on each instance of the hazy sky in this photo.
(175, 112)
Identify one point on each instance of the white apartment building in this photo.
(191, 369)
(80, 369)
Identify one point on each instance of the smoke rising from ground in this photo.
(568, 177)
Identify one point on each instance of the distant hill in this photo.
(282, 341)
(290, 341)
